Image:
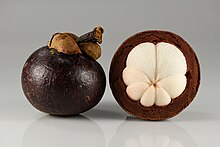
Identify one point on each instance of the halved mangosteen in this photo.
(154, 75)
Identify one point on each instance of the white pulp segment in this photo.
(162, 97)
(170, 61)
(142, 55)
(174, 85)
(136, 90)
(134, 76)
(148, 98)
(155, 74)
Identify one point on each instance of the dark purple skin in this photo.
(60, 84)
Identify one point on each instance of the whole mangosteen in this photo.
(64, 78)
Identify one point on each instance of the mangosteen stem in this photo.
(94, 36)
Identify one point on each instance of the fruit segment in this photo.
(174, 85)
(136, 90)
(134, 76)
(142, 58)
(148, 98)
(162, 97)
(170, 60)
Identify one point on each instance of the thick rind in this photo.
(154, 112)
(61, 84)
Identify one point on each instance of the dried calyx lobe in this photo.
(69, 43)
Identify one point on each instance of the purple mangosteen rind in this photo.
(62, 83)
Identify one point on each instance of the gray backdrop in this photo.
(26, 25)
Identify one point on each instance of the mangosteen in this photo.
(64, 78)
(154, 75)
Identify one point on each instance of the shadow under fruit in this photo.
(64, 78)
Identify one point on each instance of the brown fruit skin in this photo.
(60, 84)
(154, 112)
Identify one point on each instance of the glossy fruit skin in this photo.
(60, 84)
